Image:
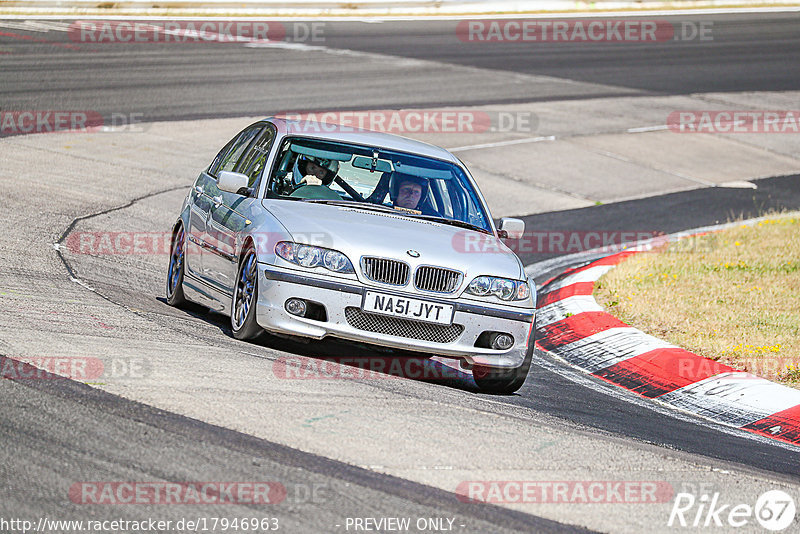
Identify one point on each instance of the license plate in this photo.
(407, 308)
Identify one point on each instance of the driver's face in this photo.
(408, 195)
(316, 170)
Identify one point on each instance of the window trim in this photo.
(269, 128)
(479, 201)
(213, 169)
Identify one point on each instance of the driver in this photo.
(407, 191)
(311, 170)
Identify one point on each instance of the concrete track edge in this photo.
(572, 327)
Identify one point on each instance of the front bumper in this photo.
(277, 285)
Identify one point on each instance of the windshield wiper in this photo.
(329, 201)
(453, 222)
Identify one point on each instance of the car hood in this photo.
(359, 232)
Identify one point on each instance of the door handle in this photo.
(198, 190)
(217, 201)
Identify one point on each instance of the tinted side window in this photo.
(252, 164)
(212, 169)
(228, 157)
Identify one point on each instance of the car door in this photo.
(205, 196)
(199, 209)
(227, 218)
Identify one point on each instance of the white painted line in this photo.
(35, 26)
(286, 45)
(681, 175)
(591, 274)
(647, 129)
(739, 184)
(609, 347)
(83, 284)
(735, 398)
(235, 14)
(571, 305)
(575, 374)
(509, 142)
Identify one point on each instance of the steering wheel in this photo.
(318, 192)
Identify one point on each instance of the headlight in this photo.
(502, 288)
(336, 261)
(480, 286)
(310, 256)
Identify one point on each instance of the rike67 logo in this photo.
(774, 510)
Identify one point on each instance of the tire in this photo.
(503, 381)
(177, 265)
(245, 296)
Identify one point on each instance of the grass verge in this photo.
(732, 296)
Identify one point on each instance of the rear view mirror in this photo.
(363, 162)
(511, 228)
(232, 182)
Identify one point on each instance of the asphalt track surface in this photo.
(671, 213)
(121, 440)
(43, 421)
(165, 81)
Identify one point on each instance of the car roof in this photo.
(348, 134)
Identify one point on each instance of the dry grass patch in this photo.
(732, 296)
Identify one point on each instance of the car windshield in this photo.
(408, 184)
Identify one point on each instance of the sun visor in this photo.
(422, 172)
(318, 153)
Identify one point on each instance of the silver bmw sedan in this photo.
(313, 230)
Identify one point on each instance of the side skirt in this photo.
(202, 293)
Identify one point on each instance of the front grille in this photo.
(436, 279)
(385, 271)
(394, 326)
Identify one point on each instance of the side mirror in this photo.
(511, 228)
(232, 182)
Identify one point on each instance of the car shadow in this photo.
(335, 359)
